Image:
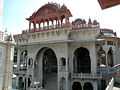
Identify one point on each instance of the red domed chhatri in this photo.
(49, 13)
(53, 16)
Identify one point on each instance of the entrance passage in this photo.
(47, 68)
(21, 83)
(50, 70)
(88, 86)
(82, 62)
(110, 57)
(76, 86)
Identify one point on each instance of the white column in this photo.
(7, 82)
(95, 85)
(93, 58)
(18, 58)
(29, 25)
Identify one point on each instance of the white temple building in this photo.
(56, 54)
(6, 59)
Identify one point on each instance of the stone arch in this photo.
(30, 62)
(81, 60)
(24, 52)
(43, 49)
(110, 57)
(76, 86)
(88, 86)
(23, 60)
(45, 68)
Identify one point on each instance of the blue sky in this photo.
(15, 12)
(1, 8)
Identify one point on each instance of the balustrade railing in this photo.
(81, 26)
(86, 76)
(19, 71)
(102, 72)
(52, 27)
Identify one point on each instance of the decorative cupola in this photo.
(95, 22)
(84, 21)
(48, 15)
(77, 22)
(89, 21)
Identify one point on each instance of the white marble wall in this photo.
(2, 62)
(6, 57)
(63, 43)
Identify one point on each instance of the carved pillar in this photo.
(29, 25)
(82, 85)
(43, 24)
(39, 26)
(56, 23)
(52, 23)
(75, 69)
(47, 24)
(67, 20)
(106, 57)
(34, 25)
(61, 22)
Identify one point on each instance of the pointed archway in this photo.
(82, 62)
(45, 69)
(110, 57)
(76, 86)
(88, 86)
(23, 60)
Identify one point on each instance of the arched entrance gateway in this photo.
(88, 86)
(82, 63)
(23, 60)
(45, 69)
(76, 86)
(110, 57)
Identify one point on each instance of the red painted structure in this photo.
(108, 3)
(52, 16)
(50, 13)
